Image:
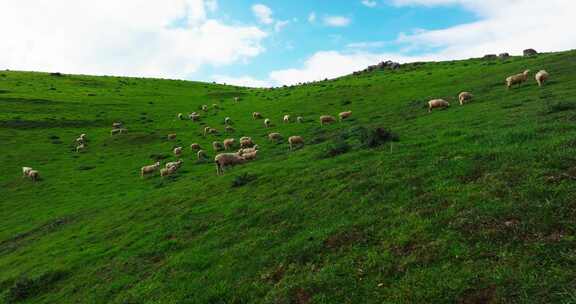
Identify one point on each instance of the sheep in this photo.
(26, 171)
(215, 106)
(201, 155)
(274, 136)
(250, 155)
(117, 125)
(178, 151)
(246, 142)
(34, 175)
(243, 151)
(194, 116)
(300, 119)
(295, 140)
(326, 119)
(517, 79)
(227, 121)
(267, 122)
(541, 77)
(171, 136)
(256, 115)
(168, 171)
(176, 164)
(195, 147)
(229, 129)
(149, 169)
(437, 103)
(236, 99)
(344, 115)
(204, 108)
(82, 136)
(286, 119)
(464, 97)
(180, 116)
(118, 131)
(80, 148)
(217, 146)
(223, 160)
(229, 143)
(80, 140)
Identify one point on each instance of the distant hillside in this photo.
(471, 204)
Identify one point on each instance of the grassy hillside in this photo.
(473, 204)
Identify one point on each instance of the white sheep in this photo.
(180, 116)
(256, 115)
(295, 140)
(80, 148)
(344, 115)
(194, 116)
(251, 155)
(117, 125)
(300, 119)
(246, 142)
(274, 136)
(243, 151)
(541, 77)
(201, 155)
(229, 143)
(118, 131)
(267, 122)
(227, 121)
(464, 97)
(517, 79)
(176, 164)
(437, 103)
(34, 175)
(195, 146)
(26, 171)
(149, 169)
(168, 171)
(178, 151)
(286, 118)
(326, 119)
(223, 160)
(209, 130)
(236, 99)
(171, 136)
(204, 108)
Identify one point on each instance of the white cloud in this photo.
(263, 13)
(504, 26)
(169, 38)
(367, 44)
(312, 17)
(245, 81)
(336, 21)
(369, 3)
(280, 24)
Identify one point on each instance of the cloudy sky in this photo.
(269, 43)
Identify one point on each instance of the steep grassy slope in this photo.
(473, 204)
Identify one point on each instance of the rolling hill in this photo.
(471, 204)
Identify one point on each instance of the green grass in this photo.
(472, 204)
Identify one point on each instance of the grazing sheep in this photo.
(195, 146)
(194, 116)
(437, 103)
(26, 171)
(217, 146)
(168, 171)
(326, 119)
(117, 125)
(178, 151)
(541, 77)
(300, 119)
(241, 152)
(246, 142)
(236, 99)
(34, 175)
(267, 122)
(176, 164)
(180, 116)
(464, 97)
(249, 155)
(286, 119)
(229, 143)
(517, 79)
(223, 160)
(83, 136)
(256, 115)
(204, 108)
(171, 136)
(344, 115)
(201, 155)
(295, 140)
(80, 140)
(227, 121)
(274, 136)
(80, 148)
(118, 131)
(229, 129)
(149, 169)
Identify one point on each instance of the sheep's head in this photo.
(526, 72)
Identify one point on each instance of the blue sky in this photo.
(268, 43)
